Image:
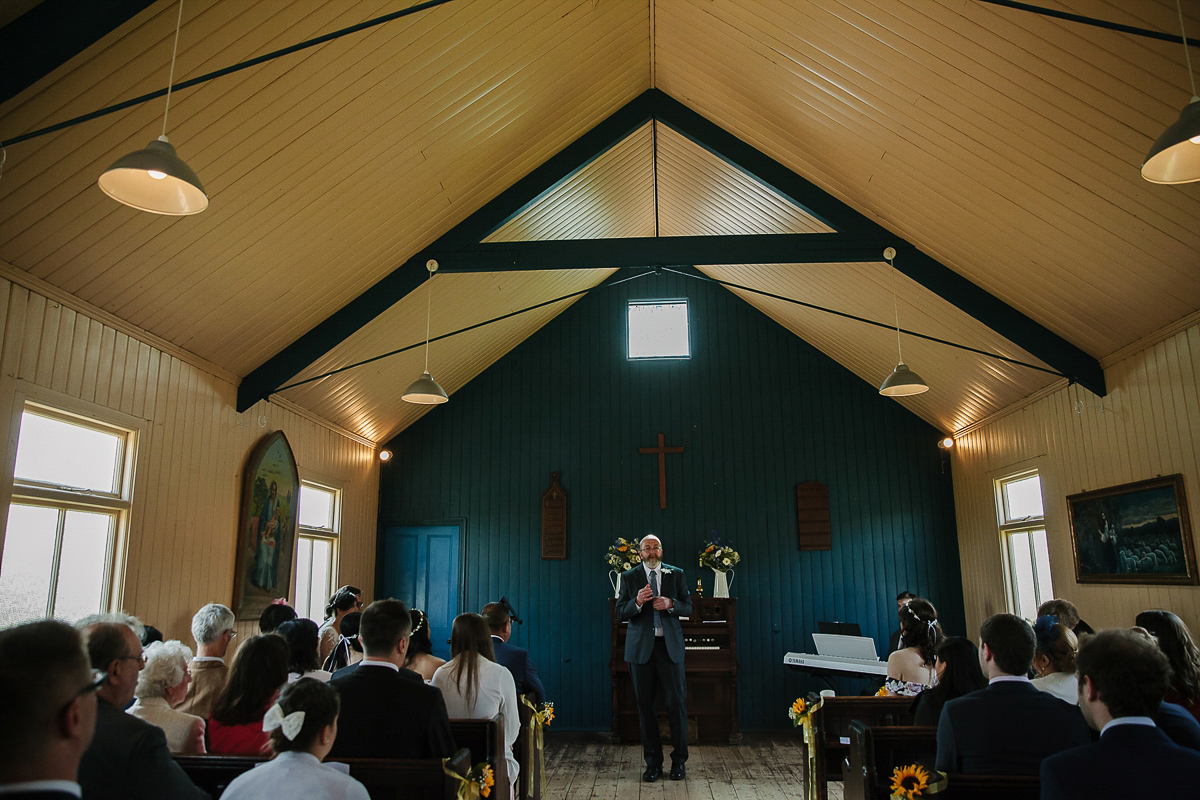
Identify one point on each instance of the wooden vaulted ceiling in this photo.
(1004, 144)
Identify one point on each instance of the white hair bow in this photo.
(291, 723)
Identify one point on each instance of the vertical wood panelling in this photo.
(757, 410)
(1146, 426)
(180, 540)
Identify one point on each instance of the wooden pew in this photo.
(876, 751)
(485, 739)
(385, 778)
(831, 723)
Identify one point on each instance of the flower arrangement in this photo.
(909, 782)
(622, 554)
(478, 783)
(798, 712)
(883, 692)
(718, 555)
(544, 713)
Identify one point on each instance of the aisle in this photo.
(763, 767)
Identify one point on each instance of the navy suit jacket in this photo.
(387, 714)
(1128, 761)
(516, 660)
(1179, 725)
(1007, 728)
(639, 641)
(128, 759)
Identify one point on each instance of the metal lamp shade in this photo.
(902, 382)
(425, 391)
(130, 181)
(1175, 156)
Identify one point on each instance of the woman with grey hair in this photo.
(161, 686)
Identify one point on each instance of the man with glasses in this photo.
(212, 628)
(128, 758)
(48, 686)
(653, 597)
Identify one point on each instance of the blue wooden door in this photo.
(420, 567)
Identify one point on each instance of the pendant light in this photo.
(425, 390)
(155, 179)
(1175, 156)
(903, 381)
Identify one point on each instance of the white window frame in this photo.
(22, 396)
(661, 301)
(331, 535)
(1007, 527)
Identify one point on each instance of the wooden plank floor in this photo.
(581, 766)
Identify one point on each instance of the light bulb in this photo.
(158, 176)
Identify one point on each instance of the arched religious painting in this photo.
(266, 526)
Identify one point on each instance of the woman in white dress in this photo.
(344, 601)
(475, 686)
(303, 726)
(162, 685)
(912, 669)
(1054, 659)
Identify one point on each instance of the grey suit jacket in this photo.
(128, 759)
(639, 641)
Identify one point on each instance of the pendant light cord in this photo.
(1186, 53)
(896, 310)
(171, 76)
(428, 311)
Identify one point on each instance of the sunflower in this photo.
(908, 782)
(883, 692)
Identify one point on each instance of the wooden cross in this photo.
(661, 451)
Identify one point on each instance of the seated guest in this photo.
(958, 674)
(303, 726)
(1054, 659)
(161, 687)
(1009, 727)
(212, 628)
(301, 636)
(348, 649)
(1122, 678)
(1176, 643)
(1067, 614)
(150, 635)
(910, 669)
(128, 758)
(514, 658)
(388, 712)
(274, 615)
(1174, 720)
(475, 686)
(344, 601)
(894, 640)
(421, 659)
(260, 668)
(53, 696)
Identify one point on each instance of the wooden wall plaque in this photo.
(812, 514)
(554, 521)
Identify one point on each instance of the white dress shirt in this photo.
(495, 692)
(293, 774)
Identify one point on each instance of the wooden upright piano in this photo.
(710, 667)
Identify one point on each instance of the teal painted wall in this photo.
(758, 411)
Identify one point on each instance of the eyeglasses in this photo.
(358, 604)
(232, 633)
(99, 678)
(140, 657)
(651, 548)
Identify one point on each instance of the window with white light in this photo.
(72, 489)
(1023, 537)
(659, 329)
(316, 547)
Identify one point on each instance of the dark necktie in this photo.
(654, 588)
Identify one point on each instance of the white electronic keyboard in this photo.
(848, 666)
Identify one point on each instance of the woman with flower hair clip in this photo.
(1054, 658)
(911, 668)
(421, 659)
(302, 726)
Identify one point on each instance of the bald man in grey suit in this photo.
(653, 597)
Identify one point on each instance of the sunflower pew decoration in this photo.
(798, 712)
(478, 782)
(622, 554)
(544, 713)
(909, 782)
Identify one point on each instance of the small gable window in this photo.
(659, 329)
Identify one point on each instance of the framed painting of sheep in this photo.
(1133, 533)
